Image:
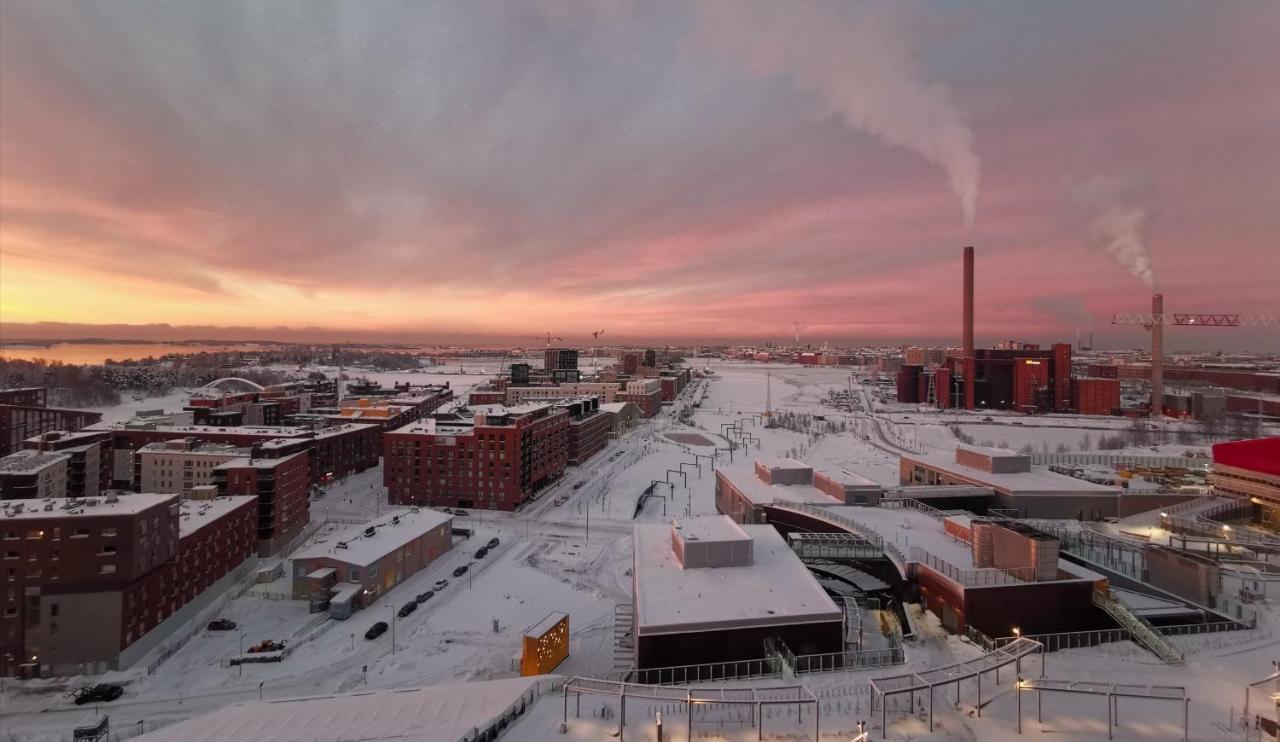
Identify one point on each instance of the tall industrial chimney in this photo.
(968, 302)
(1157, 355)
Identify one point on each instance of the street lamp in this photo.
(392, 608)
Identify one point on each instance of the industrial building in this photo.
(95, 583)
(496, 459)
(355, 567)
(707, 589)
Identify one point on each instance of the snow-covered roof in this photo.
(710, 529)
(439, 712)
(616, 407)
(546, 624)
(71, 507)
(744, 479)
(197, 514)
(258, 462)
(392, 530)
(906, 528)
(776, 589)
(28, 461)
(1038, 481)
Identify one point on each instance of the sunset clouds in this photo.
(657, 169)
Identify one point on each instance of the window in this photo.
(355, 575)
(11, 555)
(107, 569)
(35, 533)
(53, 610)
(109, 532)
(107, 550)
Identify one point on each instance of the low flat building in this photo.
(743, 491)
(707, 589)
(377, 557)
(1033, 490)
(1250, 469)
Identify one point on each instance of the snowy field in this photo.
(576, 557)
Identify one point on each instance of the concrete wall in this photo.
(172, 625)
(87, 635)
(698, 647)
(1193, 577)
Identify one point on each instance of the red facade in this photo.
(1095, 396)
(1030, 375)
(497, 464)
(1259, 454)
(282, 488)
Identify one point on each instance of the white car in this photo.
(441, 584)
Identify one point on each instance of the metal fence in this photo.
(706, 672)
(1208, 628)
(977, 577)
(825, 514)
(1120, 459)
(851, 660)
(1070, 639)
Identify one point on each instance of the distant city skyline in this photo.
(476, 172)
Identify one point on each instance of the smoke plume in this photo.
(860, 60)
(1117, 222)
(1120, 229)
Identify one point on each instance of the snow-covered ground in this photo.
(576, 557)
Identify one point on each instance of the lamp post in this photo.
(392, 608)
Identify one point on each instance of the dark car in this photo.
(406, 609)
(481, 552)
(460, 571)
(222, 624)
(424, 597)
(100, 693)
(493, 543)
(376, 630)
(460, 512)
(579, 485)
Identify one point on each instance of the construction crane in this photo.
(1155, 322)
(547, 338)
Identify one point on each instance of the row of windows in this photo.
(35, 534)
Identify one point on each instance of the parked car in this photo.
(579, 484)
(560, 500)
(446, 510)
(460, 570)
(481, 552)
(100, 693)
(987, 419)
(441, 584)
(424, 597)
(376, 630)
(493, 543)
(407, 608)
(222, 624)
(460, 512)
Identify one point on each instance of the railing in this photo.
(977, 577)
(515, 710)
(1071, 639)
(1141, 630)
(850, 660)
(827, 515)
(1126, 459)
(1213, 627)
(977, 637)
(707, 672)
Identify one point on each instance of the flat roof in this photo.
(440, 712)
(848, 478)
(776, 589)
(616, 407)
(84, 507)
(1038, 481)
(197, 514)
(709, 528)
(743, 477)
(906, 528)
(782, 462)
(546, 624)
(275, 431)
(394, 529)
(26, 461)
(258, 462)
(204, 449)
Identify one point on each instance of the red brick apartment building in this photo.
(589, 429)
(281, 489)
(496, 460)
(335, 451)
(24, 414)
(89, 583)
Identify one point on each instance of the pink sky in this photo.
(701, 172)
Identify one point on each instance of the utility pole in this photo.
(392, 608)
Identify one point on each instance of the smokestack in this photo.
(968, 302)
(1157, 355)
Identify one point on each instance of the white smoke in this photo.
(1117, 222)
(1121, 230)
(861, 61)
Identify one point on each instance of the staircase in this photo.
(1141, 630)
(623, 639)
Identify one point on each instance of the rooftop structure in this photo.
(197, 514)
(76, 508)
(29, 462)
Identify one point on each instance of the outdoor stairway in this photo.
(1141, 630)
(623, 640)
